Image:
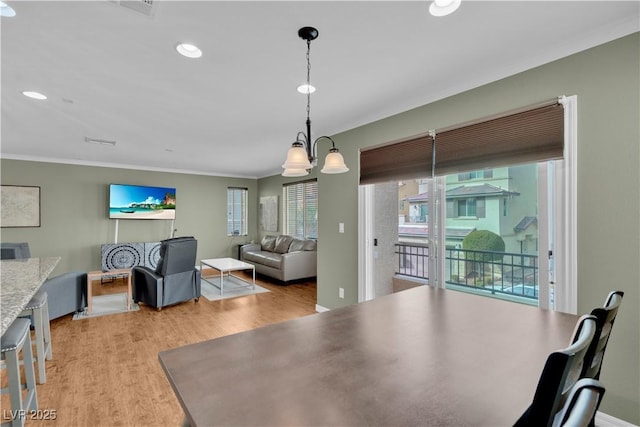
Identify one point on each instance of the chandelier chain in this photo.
(308, 81)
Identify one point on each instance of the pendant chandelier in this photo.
(302, 155)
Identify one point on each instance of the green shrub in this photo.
(483, 240)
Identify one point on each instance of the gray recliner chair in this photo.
(175, 278)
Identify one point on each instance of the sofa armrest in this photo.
(250, 247)
(66, 293)
(299, 264)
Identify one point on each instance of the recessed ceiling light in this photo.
(6, 10)
(443, 7)
(305, 88)
(189, 50)
(34, 95)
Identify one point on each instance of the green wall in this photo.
(606, 82)
(74, 211)
(272, 186)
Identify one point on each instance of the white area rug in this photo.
(107, 304)
(233, 288)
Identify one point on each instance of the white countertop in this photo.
(19, 281)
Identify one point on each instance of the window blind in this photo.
(532, 134)
(237, 211)
(525, 137)
(407, 159)
(301, 209)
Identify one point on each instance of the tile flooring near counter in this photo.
(105, 370)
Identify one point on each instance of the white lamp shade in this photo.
(297, 159)
(334, 163)
(443, 7)
(295, 172)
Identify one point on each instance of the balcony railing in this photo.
(413, 259)
(495, 272)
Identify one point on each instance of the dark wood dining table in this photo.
(421, 357)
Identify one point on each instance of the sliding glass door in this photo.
(477, 231)
(506, 232)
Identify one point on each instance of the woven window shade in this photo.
(408, 159)
(531, 135)
(525, 137)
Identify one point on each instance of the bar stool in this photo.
(17, 338)
(38, 309)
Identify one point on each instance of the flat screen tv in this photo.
(141, 202)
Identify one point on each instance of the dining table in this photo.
(421, 357)
(20, 279)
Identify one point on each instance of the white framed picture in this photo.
(19, 206)
(269, 213)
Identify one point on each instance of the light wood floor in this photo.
(105, 370)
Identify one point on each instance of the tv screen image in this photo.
(141, 202)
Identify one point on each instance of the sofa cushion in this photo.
(282, 244)
(296, 245)
(310, 245)
(270, 259)
(302, 245)
(268, 243)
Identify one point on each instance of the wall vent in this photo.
(99, 141)
(145, 7)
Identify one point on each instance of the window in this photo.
(467, 207)
(536, 219)
(466, 176)
(471, 207)
(237, 211)
(301, 209)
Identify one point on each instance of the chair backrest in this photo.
(561, 371)
(581, 405)
(606, 316)
(177, 255)
(14, 250)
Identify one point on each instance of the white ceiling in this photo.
(112, 73)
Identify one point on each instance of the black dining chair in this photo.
(561, 371)
(605, 315)
(581, 405)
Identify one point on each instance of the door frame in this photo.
(564, 237)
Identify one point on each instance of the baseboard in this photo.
(605, 420)
(321, 309)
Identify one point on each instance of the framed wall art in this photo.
(269, 213)
(19, 206)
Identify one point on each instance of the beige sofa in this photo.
(282, 257)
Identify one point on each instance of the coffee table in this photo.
(95, 275)
(225, 266)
